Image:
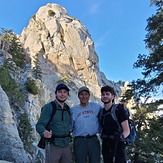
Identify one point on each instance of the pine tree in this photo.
(10, 43)
(149, 145)
(37, 68)
(26, 131)
(152, 63)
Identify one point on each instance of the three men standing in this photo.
(85, 124)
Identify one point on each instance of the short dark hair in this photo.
(107, 88)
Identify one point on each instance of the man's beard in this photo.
(106, 102)
(60, 100)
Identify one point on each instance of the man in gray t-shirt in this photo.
(85, 126)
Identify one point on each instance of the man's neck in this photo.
(61, 103)
(108, 105)
(83, 104)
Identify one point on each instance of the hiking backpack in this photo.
(133, 133)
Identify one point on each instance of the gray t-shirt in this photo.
(85, 119)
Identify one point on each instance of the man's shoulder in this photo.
(120, 111)
(46, 108)
(47, 105)
(119, 107)
(74, 107)
(50, 105)
(95, 104)
(92, 103)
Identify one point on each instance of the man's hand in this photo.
(118, 136)
(47, 134)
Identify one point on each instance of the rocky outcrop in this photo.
(64, 45)
(11, 146)
(65, 51)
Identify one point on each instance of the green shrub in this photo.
(31, 87)
(12, 89)
(51, 13)
(25, 131)
(37, 72)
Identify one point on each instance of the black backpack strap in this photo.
(53, 112)
(113, 114)
(53, 108)
(102, 115)
(67, 108)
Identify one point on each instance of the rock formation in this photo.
(11, 145)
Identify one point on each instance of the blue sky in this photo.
(117, 28)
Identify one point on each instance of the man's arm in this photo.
(125, 126)
(43, 120)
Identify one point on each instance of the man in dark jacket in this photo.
(57, 149)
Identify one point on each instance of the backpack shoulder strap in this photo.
(101, 116)
(100, 113)
(67, 108)
(53, 109)
(115, 117)
(113, 112)
(53, 112)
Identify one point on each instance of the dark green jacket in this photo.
(60, 124)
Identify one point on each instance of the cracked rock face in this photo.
(63, 44)
(11, 145)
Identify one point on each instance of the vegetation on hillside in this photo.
(26, 131)
(10, 45)
(12, 89)
(37, 72)
(148, 146)
(31, 87)
(14, 59)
